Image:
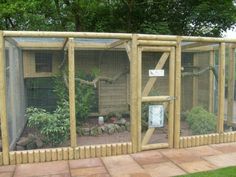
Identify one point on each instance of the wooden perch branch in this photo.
(99, 78)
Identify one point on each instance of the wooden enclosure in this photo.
(139, 53)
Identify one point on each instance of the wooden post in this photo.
(230, 97)
(221, 89)
(211, 82)
(134, 106)
(177, 93)
(195, 82)
(171, 93)
(71, 63)
(3, 109)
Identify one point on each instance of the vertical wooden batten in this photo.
(71, 68)
(3, 109)
(211, 82)
(230, 96)
(171, 93)
(177, 93)
(221, 89)
(134, 95)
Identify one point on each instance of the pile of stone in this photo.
(108, 128)
(29, 142)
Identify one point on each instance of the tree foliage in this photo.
(180, 17)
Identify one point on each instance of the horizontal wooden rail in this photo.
(155, 146)
(156, 43)
(67, 34)
(157, 98)
(155, 49)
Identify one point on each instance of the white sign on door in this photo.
(156, 116)
(156, 72)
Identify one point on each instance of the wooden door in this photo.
(157, 82)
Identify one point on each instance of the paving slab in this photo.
(163, 169)
(6, 174)
(9, 168)
(58, 175)
(225, 148)
(197, 166)
(222, 160)
(77, 172)
(42, 169)
(122, 165)
(149, 157)
(180, 155)
(203, 151)
(85, 163)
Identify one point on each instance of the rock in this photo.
(123, 128)
(99, 130)
(94, 131)
(111, 131)
(23, 141)
(121, 121)
(20, 148)
(39, 143)
(86, 131)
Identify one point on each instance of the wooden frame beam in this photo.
(71, 68)
(134, 91)
(156, 43)
(195, 45)
(230, 97)
(116, 43)
(12, 41)
(211, 82)
(156, 49)
(3, 108)
(157, 98)
(221, 89)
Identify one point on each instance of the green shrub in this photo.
(85, 95)
(201, 121)
(53, 127)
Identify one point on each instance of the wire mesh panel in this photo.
(199, 77)
(102, 95)
(230, 105)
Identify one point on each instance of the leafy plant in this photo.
(201, 121)
(54, 127)
(85, 95)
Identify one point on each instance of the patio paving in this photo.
(155, 163)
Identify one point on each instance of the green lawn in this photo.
(223, 172)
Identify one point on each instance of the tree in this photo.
(179, 17)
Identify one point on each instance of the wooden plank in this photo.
(103, 151)
(24, 157)
(36, 156)
(54, 154)
(217, 138)
(81, 152)
(71, 68)
(130, 148)
(193, 141)
(197, 140)
(98, 150)
(177, 93)
(181, 143)
(118, 149)
(195, 81)
(30, 156)
(71, 153)
(189, 143)
(87, 151)
(221, 89)
(172, 94)
(211, 83)
(116, 43)
(48, 154)
(42, 155)
(113, 149)
(156, 49)
(18, 157)
(124, 148)
(12, 157)
(156, 43)
(195, 45)
(152, 80)
(92, 151)
(185, 142)
(147, 136)
(109, 150)
(230, 97)
(134, 106)
(128, 50)
(155, 146)
(157, 98)
(3, 109)
(65, 153)
(59, 154)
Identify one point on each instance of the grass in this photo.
(222, 172)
